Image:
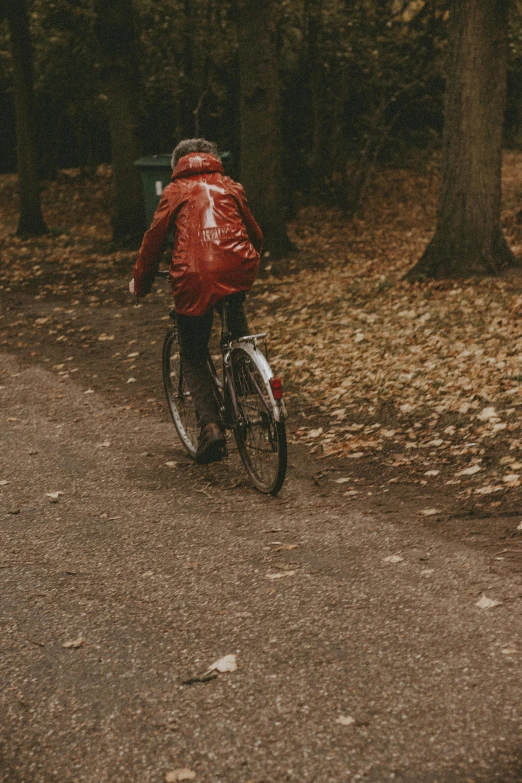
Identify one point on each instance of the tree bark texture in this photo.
(260, 134)
(468, 238)
(121, 84)
(31, 222)
(317, 97)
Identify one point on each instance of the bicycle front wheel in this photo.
(181, 404)
(260, 430)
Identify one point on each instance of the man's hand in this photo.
(131, 286)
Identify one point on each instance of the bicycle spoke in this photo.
(261, 440)
(180, 401)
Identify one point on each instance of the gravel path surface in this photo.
(361, 651)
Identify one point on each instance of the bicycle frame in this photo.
(222, 386)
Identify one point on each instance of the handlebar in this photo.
(163, 273)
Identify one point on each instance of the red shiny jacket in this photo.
(216, 239)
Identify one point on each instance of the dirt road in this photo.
(361, 651)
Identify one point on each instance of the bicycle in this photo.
(249, 398)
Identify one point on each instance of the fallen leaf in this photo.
(54, 496)
(487, 603)
(488, 489)
(345, 720)
(171, 463)
(3, 482)
(429, 512)
(342, 480)
(393, 559)
(226, 664)
(73, 644)
(508, 650)
(131, 380)
(469, 471)
(486, 414)
(178, 775)
(432, 473)
(279, 574)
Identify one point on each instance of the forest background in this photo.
(354, 79)
(307, 95)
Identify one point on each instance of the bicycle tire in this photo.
(180, 402)
(260, 431)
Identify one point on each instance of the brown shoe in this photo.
(211, 446)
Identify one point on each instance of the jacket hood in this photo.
(197, 163)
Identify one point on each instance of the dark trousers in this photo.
(194, 334)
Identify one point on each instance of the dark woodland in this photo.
(308, 97)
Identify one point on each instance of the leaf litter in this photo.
(427, 373)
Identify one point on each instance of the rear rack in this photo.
(251, 338)
(254, 340)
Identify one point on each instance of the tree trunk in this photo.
(260, 135)
(468, 238)
(120, 77)
(31, 221)
(315, 74)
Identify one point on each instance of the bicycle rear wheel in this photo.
(260, 430)
(181, 404)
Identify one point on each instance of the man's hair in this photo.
(192, 145)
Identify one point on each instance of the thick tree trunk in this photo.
(260, 138)
(468, 238)
(31, 221)
(120, 78)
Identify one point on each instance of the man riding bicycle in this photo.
(217, 245)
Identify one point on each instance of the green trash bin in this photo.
(156, 172)
(155, 176)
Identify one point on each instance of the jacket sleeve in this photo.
(254, 232)
(152, 247)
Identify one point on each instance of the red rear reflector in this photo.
(277, 388)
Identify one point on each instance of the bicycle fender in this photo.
(257, 356)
